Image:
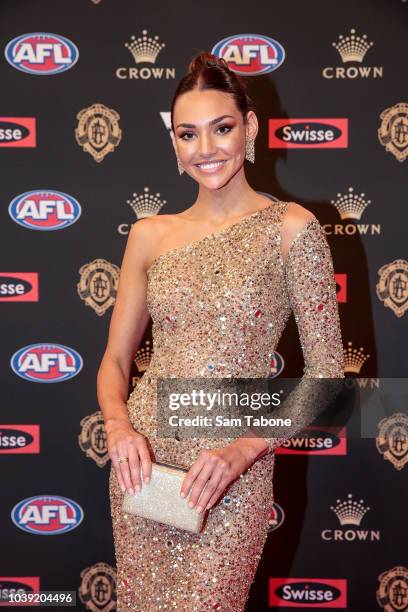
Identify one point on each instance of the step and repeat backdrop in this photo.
(85, 152)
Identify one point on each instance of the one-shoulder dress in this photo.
(219, 306)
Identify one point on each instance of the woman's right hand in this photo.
(124, 441)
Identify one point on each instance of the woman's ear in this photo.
(251, 125)
(173, 140)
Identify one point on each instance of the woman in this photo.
(219, 281)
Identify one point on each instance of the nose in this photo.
(207, 146)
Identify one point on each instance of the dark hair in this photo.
(207, 71)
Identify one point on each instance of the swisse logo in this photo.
(17, 585)
(18, 132)
(19, 439)
(308, 133)
(18, 286)
(316, 442)
(341, 287)
(46, 363)
(44, 210)
(308, 592)
(250, 54)
(41, 53)
(47, 514)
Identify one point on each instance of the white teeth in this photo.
(210, 164)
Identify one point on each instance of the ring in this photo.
(123, 460)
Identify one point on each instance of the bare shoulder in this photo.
(295, 218)
(146, 228)
(154, 228)
(146, 235)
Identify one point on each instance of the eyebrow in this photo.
(212, 122)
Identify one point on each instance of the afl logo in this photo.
(276, 365)
(46, 363)
(47, 514)
(250, 54)
(41, 53)
(276, 518)
(44, 210)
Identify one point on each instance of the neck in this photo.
(233, 199)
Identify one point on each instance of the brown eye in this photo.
(225, 128)
(186, 134)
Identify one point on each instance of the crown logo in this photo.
(143, 357)
(351, 205)
(352, 48)
(349, 512)
(146, 204)
(354, 359)
(144, 48)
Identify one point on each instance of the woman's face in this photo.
(209, 136)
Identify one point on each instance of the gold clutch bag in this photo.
(160, 500)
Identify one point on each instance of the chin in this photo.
(214, 181)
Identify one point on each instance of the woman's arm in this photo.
(128, 322)
(311, 288)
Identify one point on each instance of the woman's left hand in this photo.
(216, 468)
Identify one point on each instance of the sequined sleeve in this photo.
(311, 289)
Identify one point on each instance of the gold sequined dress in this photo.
(219, 306)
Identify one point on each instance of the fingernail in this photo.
(191, 504)
(182, 494)
(199, 509)
(123, 488)
(147, 479)
(130, 490)
(138, 487)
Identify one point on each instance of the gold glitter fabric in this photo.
(219, 306)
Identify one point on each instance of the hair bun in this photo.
(206, 60)
(207, 71)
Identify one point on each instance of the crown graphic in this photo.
(352, 48)
(144, 48)
(349, 512)
(146, 204)
(143, 357)
(354, 359)
(351, 205)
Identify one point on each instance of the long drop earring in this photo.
(250, 149)
(179, 165)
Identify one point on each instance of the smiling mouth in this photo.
(211, 166)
